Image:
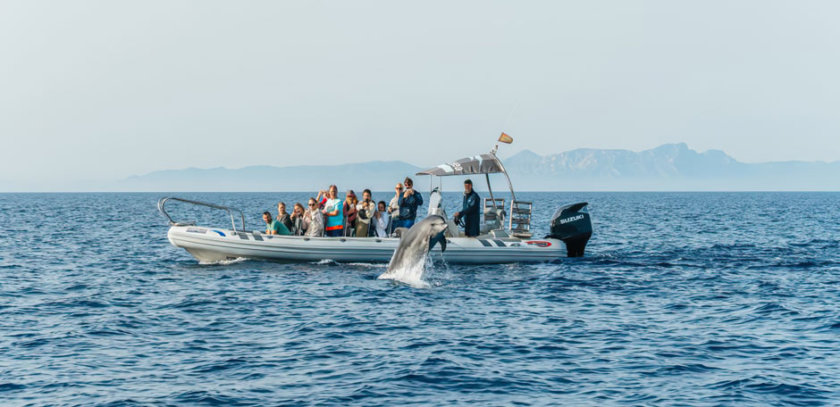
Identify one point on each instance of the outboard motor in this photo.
(572, 225)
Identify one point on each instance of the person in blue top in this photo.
(333, 210)
(470, 210)
(409, 201)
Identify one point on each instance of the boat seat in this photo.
(493, 220)
(499, 234)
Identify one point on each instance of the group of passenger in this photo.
(327, 215)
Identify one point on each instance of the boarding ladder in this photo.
(520, 218)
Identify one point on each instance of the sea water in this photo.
(682, 298)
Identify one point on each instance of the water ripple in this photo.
(683, 299)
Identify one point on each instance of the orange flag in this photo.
(504, 138)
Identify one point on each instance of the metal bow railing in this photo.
(229, 210)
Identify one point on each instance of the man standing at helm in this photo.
(469, 211)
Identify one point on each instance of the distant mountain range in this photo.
(667, 167)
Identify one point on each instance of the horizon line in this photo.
(455, 191)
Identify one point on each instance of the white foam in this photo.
(373, 265)
(411, 275)
(224, 262)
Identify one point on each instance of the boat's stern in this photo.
(573, 226)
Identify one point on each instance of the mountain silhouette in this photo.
(668, 167)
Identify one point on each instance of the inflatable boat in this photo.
(505, 233)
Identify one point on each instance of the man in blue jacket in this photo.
(409, 201)
(470, 210)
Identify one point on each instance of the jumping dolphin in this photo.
(410, 256)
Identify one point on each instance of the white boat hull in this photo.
(213, 245)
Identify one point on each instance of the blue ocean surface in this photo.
(682, 299)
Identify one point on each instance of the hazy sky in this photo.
(107, 89)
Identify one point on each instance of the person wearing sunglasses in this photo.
(313, 220)
(394, 208)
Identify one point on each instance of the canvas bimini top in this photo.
(477, 164)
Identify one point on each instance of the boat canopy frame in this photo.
(485, 164)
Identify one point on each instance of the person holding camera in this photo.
(364, 209)
(313, 220)
(409, 201)
(350, 213)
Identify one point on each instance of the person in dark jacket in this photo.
(283, 216)
(350, 213)
(470, 210)
(409, 201)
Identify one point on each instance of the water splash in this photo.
(411, 274)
